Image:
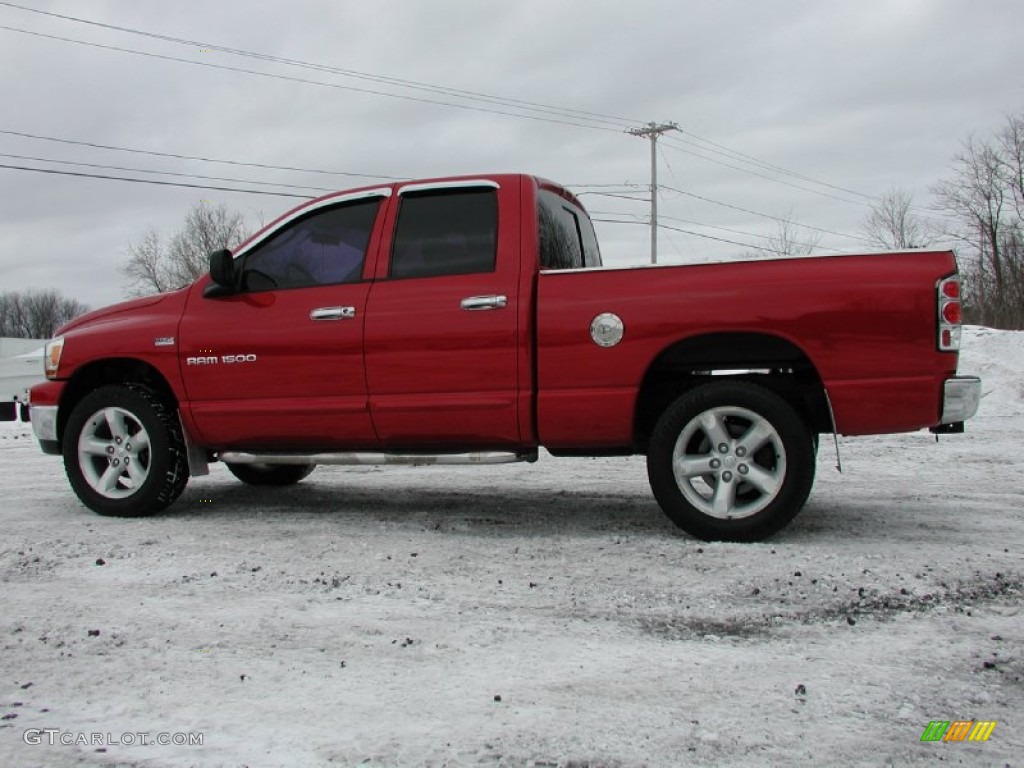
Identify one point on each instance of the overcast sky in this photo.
(862, 96)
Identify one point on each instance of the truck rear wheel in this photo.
(124, 453)
(270, 474)
(731, 461)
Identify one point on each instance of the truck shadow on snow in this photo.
(491, 509)
(480, 508)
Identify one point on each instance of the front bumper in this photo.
(44, 426)
(960, 398)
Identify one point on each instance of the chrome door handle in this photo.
(333, 313)
(475, 303)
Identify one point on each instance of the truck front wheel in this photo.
(271, 474)
(124, 453)
(731, 461)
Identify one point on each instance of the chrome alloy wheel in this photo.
(113, 453)
(729, 462)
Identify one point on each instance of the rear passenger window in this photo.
(567, 239)
(445, 232)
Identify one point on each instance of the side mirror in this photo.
(222, 272)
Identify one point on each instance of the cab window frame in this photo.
(354, 275)
(412, 241)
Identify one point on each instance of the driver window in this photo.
(323, 248)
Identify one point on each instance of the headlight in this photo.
(51, 357)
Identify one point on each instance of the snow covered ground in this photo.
(531, 615)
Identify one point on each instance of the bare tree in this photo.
(145, 269)
(1011, 145)
(36, 314)
(154, 266)
(789, 239)
(891, 223)
(985, 194)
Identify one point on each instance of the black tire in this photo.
(745, 462)
(107, 472)
(270, 474)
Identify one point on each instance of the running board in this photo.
(414, 459)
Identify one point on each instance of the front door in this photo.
(279, 364)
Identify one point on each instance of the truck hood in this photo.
(120, 308)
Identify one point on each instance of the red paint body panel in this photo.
(128, 331)
(306, 386)
(867, 324)
(439, 375)
(412, 368)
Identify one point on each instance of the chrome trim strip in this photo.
(324, 203)
(426, 186)
(358, 458)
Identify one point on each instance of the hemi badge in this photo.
(163, 341)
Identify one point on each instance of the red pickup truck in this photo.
(469, 320)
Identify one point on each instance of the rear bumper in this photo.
(960, 398)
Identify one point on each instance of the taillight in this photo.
(950, 314)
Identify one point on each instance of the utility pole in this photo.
(652, 131)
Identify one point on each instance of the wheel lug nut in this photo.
(110, 449)
(723, 448)
(741, 451)
(743, 469)
(116, 463)
(715, 463)
(117, 440)
(727, 477)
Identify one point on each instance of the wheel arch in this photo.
(118, 370)
(770, 360)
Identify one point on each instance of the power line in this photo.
(732, 154)
(767, 177)
(356, 74)
(735, 208)
(55, 172)
(598, 120)
(750, 234)
(743, 157)
(307, 81)
(589, 189)
(615, 195)
(640, 220)
(177, 156)
(164, 173)
(677, 229)
(610, 121)
(765, 215)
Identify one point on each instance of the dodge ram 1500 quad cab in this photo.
(469, 320)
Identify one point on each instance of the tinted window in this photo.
(567, 239)
(446, 232)
(323, 248)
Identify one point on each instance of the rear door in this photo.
(280, 363)
(442, 335)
